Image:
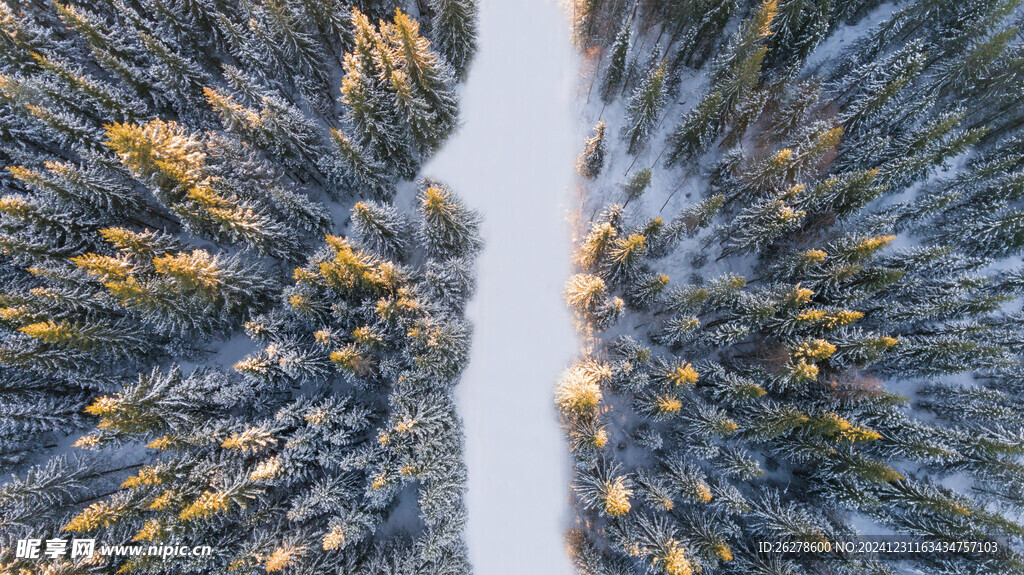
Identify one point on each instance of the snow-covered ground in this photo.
(513, 160)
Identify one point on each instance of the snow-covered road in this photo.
(513, 160)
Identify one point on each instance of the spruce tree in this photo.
(591, 161)
(615, 74)
(449, 228)
(644, 108)
(454, 26)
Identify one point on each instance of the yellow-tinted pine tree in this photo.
(152, 530)
(430, 79)
(584, 292)
(667, 405)
(595, 246)
(146, 244)
(802, 371)
(869, 246)
(350, 360)
(832, 425)
(625, 256)
(682, 375)
(252, 440)
(146, 476)
(615, 497)
(579, 391)
(96, 516)
(282, 558)
(334, 538)
(814, 350)
(350, 269)
(266, 470)
(161, 152)
(673, 560)
(800, 296)
(208, 503)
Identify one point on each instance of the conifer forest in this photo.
(237, 301)
(218, 327)
(798, 273)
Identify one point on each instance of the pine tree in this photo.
(763, 223)
(372, 109)
(429, 78)
(94, 188)
(604, 488)
(637, 184)
(382, 229)
(698, 129)
(279, 129)
(615, 74)
(873, 86)
(644, 108)
(799, 27)
(364, 171)
(625, 258)
(737, 71)
(449, 228)
(454, 25)
(591, 160)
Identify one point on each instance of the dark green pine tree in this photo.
(382, 229)
(645, 108)
(591, 161)
(615, 74)
(453, 28)
(449, 229)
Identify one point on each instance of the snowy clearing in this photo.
(513, 160)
